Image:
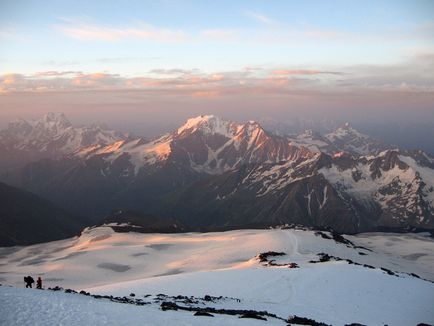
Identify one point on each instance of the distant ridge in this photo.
(27, 219)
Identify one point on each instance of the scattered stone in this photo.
(339, 238)
(56, 288)
(132, 295)
(323, 235)
(233, 312)
(207, 298)
(263, 257)
(388, 271)
(168, 306)
(252, 315)
(304, 321)
(201, 313)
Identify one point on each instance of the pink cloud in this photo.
(286, 72)
(90, 32)
(206, 94)
(404, 78)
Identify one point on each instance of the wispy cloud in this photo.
(86, 31)
(263, 19)
(269, 31)
(174, 71)
(288, 72)
(54, 73)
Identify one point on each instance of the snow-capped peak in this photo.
(53, 133)
(348, 139)
(209, 124)
(56, 117)
(344, 131)
(53, 123)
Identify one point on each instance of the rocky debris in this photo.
(205, 314)
(203, 311)
(169, 306)
(388, 271)
(137, 302)
(293, 226)
(323, 257)
(264, 259)
(296, 320)
(339, 238)
(166, 305)
(253, 316)
(129, 300)
(56, 288)
(191, 300)
(289, 265)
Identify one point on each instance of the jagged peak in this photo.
(345, 130)
(346, 127)
(211, 124)
(208, 124)
(18, 122)
(56, 118)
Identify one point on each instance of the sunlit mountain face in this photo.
(226, 162)
(214, 174)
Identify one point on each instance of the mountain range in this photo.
(211, 174)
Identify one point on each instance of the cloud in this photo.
(286, 72)
(206, 94)
(173, 71)
(413, 76)
(270, 31)
(126, 59)
(85, 31)
(263, 19)
(53, 73)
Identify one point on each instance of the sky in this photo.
(147, 65)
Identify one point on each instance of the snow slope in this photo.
(33, 307)
(222, 264)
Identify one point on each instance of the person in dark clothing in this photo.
(29, 281)
(39, 283)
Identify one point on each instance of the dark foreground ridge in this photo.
(172, 303)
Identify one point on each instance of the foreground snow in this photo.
(221, 264)
(35, 307)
